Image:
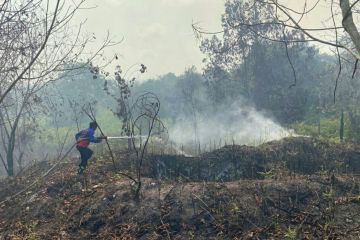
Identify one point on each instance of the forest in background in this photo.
(200, 108)
(252, 89)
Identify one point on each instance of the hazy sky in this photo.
(157, 33)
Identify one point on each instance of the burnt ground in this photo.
(100, 205)
(289, 156)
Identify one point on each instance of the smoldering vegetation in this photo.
(271, 160)
(236, 124)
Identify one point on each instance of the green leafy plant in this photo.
(191, 235)
(267, 174)
(291, 233)
(328, 194)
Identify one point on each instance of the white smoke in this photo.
(237, 124)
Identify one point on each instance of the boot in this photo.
(81, 169)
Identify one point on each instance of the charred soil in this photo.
(279, 203)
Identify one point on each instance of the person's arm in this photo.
(92, 138)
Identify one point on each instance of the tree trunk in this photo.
(10, 166)
(319, 125)
(10, 152)
(11, 145)
(349, 25)
(129, 141)
(341, 131)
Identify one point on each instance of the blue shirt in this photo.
(91, 136)
(84, 137)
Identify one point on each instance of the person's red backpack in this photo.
(82, 138)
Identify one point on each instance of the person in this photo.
(83, 139)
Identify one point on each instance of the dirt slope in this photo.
(100, 205)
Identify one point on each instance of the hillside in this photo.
(100, 204)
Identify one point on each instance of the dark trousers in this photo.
(85, 154)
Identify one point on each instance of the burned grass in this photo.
(286, 157)
(100, 205)
(301, 208)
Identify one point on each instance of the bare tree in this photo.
(144, 121)
(37, 41)
(17, 115)
(38, 44)
(140, 119)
